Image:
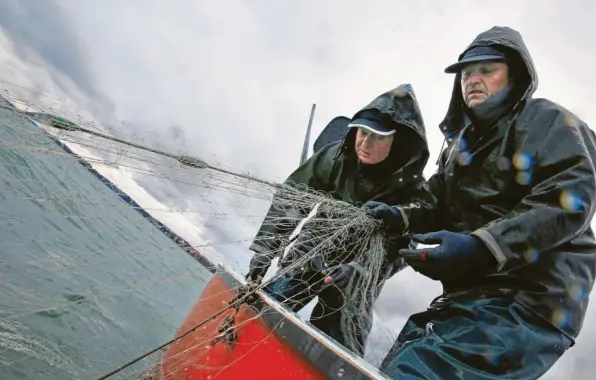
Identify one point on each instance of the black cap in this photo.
(476, 54)
(373, 122)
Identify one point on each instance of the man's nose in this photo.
(474, 78)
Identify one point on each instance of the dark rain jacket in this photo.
(336, 170)
(526, 186)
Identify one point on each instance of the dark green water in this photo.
(86, 283)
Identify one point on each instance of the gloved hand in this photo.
(391, 217)
(340, 275)
(257, 267)
(456, 255)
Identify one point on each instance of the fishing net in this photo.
(331, 233)
(109, 237)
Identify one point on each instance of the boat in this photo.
(234, 330)
(254, 335)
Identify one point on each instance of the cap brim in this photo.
(456, 67)
(368, 127)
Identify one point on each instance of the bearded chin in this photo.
(489, 109)
(477, 102)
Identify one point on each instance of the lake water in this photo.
(86, 283)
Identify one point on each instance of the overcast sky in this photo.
(253, 69)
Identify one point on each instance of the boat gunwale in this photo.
(326, 355)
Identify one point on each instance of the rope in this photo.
(243, 294)
(325, 233)
(194, 162)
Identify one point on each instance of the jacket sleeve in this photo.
(424, 211)
(560, 205)
(282, 217)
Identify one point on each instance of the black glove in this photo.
(391, 217)
(258, 267)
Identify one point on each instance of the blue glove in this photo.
(456, 255)
(391, 217)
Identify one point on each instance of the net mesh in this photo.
(96, 220)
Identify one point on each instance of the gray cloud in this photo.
(45, 31)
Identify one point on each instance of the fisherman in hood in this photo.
(380, 158)
(514, 198)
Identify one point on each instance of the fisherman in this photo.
(381, 157)
(514, 198)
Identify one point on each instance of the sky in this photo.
(233, 82)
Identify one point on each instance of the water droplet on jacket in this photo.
(492, 356)
(560, 317)
(464, 158)
(570, 201)
(523, 178)
(400, 93)
(570, 120)
(531, 255)
(576, 292)
(522, 161)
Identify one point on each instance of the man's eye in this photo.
(482, 70)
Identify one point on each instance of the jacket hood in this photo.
(520, 61)
(398, 107)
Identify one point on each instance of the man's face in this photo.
(372, 148)
(481, 80)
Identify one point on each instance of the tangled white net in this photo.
(334, 233)
(89, 283)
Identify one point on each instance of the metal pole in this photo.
(304, 156)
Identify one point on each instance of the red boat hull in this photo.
(269, 343)
(257, 351)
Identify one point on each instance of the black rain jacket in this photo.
(336, 170)
(526, 186)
